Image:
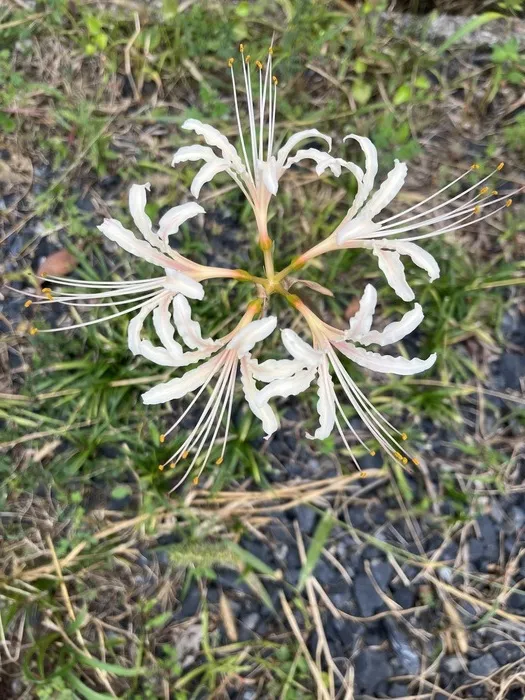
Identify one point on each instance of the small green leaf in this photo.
(121, 491)
(361, 91)
(422, 82)
(402, 94)
(321, 534)
(159, 620)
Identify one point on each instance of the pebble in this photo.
(483, 665)
(371, 669)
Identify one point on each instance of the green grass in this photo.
(70, 103)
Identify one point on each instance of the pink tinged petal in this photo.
(270, 175)
(300, 350)
(387, 192)
(180, 386)
(292, 142)
(137, 208)
(323, 160)
(192, 153)
(262, 411)
(269, 370)
(325, 404)
(213, 137)
(179, 283)
(190, 330)
(419, 256)
(394, 331)
(361, 321)
(207, 173)
(290, 386)
(175, 217)
(370, 173)
(243, 341)
(384, 363)
(114, 230)
(394, 271)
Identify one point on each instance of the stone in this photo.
(368, 601)
(371, 669)
(506, 653)
(483, 665)
(306, 517)
(398, 690)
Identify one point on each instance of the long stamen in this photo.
(272, 117)
(249, 98)
(238, 116)
(231, 390)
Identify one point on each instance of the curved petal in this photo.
(322, 159)
(195, 152)
(270, 175)
(190, 330)
(175, 217)
(325, 404)
(158, 355)
(388, 190)
(180, 386)
(269, 370)
(384, 363)
(207, 173)
(361, 321)
(213, 137)
(394, 271)
(299, 349)
(135, 327)
(394, 331)
(289, 386)
(419, 256)
(243, 341)
(369, 176)
(165, 330)
(284, 152)
(262, 411)
(179, 283)
(123, 237)
(137, 207)
(354, 229)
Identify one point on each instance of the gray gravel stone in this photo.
(368, 600)
(483, 665)
(371, 669)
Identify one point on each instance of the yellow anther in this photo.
(33, 331)
(248, 57)
(196, 480)
(172, 465)
(259, 65)
(508, 202)
(494, 192)
(270, 50)
(474, 166)
(28, 303)
(363, 475)
(275, 81)
(46, 290)
(185, 454)
(161, 467)
(500, 166)
(231, 61)
(404, 460)
(241, 48)
(476, 210)
(398, 455)
(404, 436)
(484, 190)
(219, 461)
(162, 438)
(372, 453)
(416, 461)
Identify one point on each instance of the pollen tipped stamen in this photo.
(239, 125)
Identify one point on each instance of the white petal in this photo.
(284, 152)
(207, 173)
(135, 327)
(165, 330)
(361, 321)
(176, 216)
(290, 386)
(179, 283)
(269, 370)
(390, 263)
(354, 229)
(190, 330)
(395, 331)
(419, 256)
(323, 160)
(384, 363)
(270, 175)
(137, 208)
(180, 386)
(388, 190)
(213, 137)
(367, 182)
(254, 332)
(114, 230)
(195, 152)
(262, 410)
(299, 350)
(158, 355)
(325, 404)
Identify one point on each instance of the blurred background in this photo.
(283, 574)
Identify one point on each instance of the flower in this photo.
(181, 275)
(322, 360)
(359, 228)
(257, 169)
(234, 353)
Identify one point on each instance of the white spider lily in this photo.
(232, 352)
(361, 229)
(181, 275)
(257, 169)
(322, 361)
